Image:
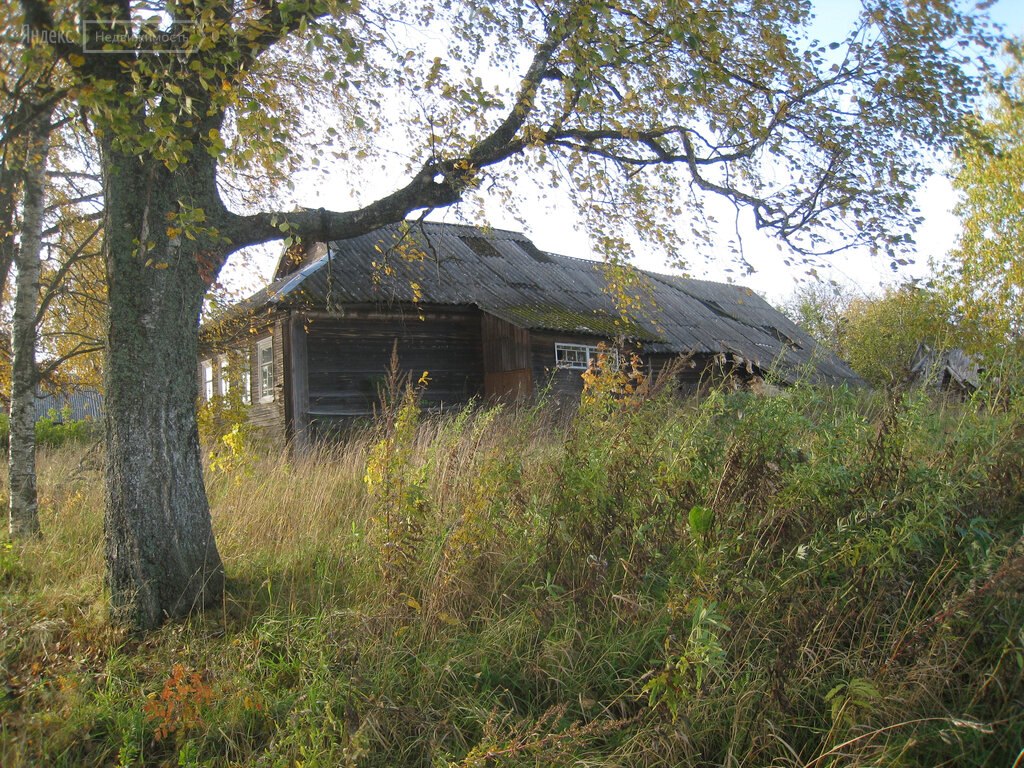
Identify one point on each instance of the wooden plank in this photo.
(508, 386)
(506, 347)
(298, 374)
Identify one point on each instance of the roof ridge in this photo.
(480, 229)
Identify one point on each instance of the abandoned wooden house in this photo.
(951, 371)
(486, 314)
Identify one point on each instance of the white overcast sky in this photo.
(552, 222)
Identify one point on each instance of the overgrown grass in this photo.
(817, 579)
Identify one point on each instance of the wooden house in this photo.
(486, 314)
(952, 371)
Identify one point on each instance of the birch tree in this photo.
(988, 265)
(24, 514)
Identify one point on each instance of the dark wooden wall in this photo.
(566, 384)
(269, 417)
(690, 374)
(563, 385)
(347, 360)
(328, 369)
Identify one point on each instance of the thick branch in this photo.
(429, 188)
(439, 183)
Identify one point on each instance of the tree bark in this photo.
(162, 560)
(23, 520)
(7, 242)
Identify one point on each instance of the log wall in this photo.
(347, 360)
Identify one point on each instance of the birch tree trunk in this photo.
(7, 224)
(24, 513)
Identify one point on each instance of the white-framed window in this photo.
(265, 363)
(246, 378)
(225, 375)
(207, 368)
(579, 356)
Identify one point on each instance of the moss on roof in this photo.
(597, 322)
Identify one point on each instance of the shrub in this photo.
(56, 430)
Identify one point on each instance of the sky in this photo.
(554, 226)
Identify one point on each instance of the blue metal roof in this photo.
(79, 404)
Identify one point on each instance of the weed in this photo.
(814, 578)
(179, 705)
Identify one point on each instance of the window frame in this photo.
(265, 391)
(206, 367)
(225, 375)
(589, 354)
(247, 377)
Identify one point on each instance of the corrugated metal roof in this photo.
(505, 274)
(73, 405)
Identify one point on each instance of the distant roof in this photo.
(947, 367)
(505, 274)
(73, 404)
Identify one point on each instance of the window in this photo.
(246, 379)
(579, 356)
(207, 367)
(225, 376)
(265, 361)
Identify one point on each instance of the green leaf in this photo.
(700, 519)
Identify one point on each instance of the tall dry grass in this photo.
(816, 579)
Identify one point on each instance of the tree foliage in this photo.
(881, 334)
(988, 268)
(878, 335)
(615, 99)
(71, 311)
(820, 309)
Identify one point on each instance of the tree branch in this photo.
(81, 348)
(61, 273)
(438, 184)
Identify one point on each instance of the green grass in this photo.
(817, 579)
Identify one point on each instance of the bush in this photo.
(55, 430)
